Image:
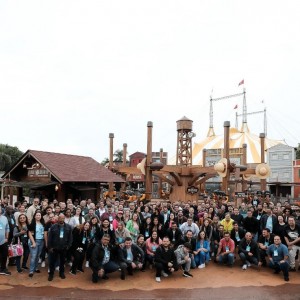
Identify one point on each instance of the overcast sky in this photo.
(71, 72)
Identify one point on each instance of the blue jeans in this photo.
(251, 259)
(226, 258)
(35, 254)
(201, 258)
(284, 267)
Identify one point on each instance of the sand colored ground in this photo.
(211, 280)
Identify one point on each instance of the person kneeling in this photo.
(183, 258)
(101, 261)
(249, 251)
(165, 260)
(131, 256)
(226, 250)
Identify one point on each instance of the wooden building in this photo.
(56, 175)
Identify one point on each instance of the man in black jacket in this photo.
(175, 235)
(102, 260)
(249, 252)
(165, 260)
(59, 241)
(237, 233)
(131, 255)
(251, 224)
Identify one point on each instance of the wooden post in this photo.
(123, 185)
(148, 162)
(111, 161)
(11, 195)
(263, 182)
(225, 180)
(244, 163)
(159, 179)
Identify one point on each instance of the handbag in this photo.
(15, 249)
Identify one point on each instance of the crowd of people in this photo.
(113, 235)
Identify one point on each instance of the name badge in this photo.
(25, 235)
(255, 202)
(266, 244)
(61, 234)
(258, 217)
(1, 226)
(275, 252)
(153, 248)
(227, 249)
(120, 240)
(82, 213)
(248, 248)
(110, 218)
(12, 222)
(147, 233)
(83, 240)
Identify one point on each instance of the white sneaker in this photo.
(157, 279)
(40, 260)
(201, 266)
(70, 264)
(43, 265)
(87, 264)
(164, 274)
(248, 265)
(244, 267)
(57, 268)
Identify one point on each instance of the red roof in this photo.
(74, 168)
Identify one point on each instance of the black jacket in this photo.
(80, 239)
(137, 253)
(263, 221)
(164, 256)
(253, 248)
(241, 232)
(251, 224)
(178, 236)
(98, 253)
(54, 239)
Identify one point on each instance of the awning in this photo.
(30, 184)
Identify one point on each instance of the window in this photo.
(286, 156)
(274, 156)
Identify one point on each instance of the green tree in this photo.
(104, 161)
(298, 152)
(8, 156)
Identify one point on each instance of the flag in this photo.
(236, 106)
(242, 82)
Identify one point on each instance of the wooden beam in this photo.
(198, 169)
(205, 178)
(128, 170)
(163, 178)
(195, 177)
(177, 178)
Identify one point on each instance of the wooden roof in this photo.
(70, 168)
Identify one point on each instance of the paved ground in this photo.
(213, 282)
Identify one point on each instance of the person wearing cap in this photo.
(183, 258)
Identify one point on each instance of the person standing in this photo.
(81, 239)
(59, 241)
(4, 233)
(32, 209)
(36, 236)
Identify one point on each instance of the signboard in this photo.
(38, 173)
(240, 194)
(192, 190)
